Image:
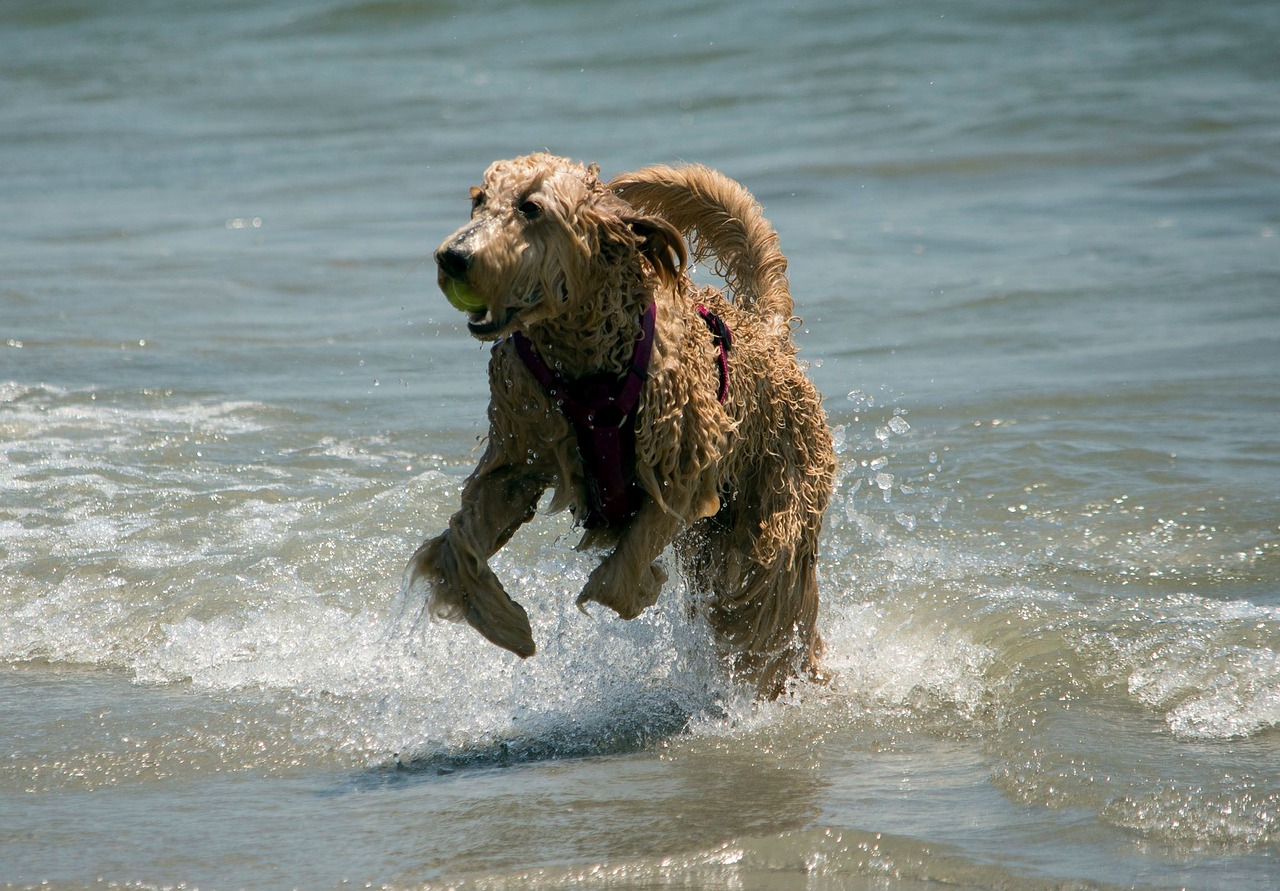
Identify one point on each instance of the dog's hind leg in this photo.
(767, 627)
(451, 570)
(755, 563)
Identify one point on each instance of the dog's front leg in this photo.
(451, 570)
(628, 581)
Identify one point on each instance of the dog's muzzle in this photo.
(454, 262)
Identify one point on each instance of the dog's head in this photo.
(546, 237)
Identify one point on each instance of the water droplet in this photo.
(838, 438)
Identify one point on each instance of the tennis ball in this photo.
(462, 297)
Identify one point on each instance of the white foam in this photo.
(439, 691)
(893, 662)
(1198, 666)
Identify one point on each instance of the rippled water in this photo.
(1035, 249)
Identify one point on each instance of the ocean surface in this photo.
(1035, 246)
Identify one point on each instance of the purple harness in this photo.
(602, 409)
(723, 339)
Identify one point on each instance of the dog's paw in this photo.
(463, 591)
(628, 601)
(501, 620)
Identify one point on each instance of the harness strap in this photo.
(602, 410)
(722, 337)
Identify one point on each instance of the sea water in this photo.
(1034, 246)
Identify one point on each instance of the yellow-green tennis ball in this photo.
(462, 297)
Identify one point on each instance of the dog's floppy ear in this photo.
(660, 243)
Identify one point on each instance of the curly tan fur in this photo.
(739, 488)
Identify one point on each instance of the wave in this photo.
(204, 547)
(140, 527)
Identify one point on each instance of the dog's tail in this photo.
(722, 220)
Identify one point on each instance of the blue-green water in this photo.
(1035, 247)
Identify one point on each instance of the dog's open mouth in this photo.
(488, 323)
(484, 324)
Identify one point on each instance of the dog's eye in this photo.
(530, 209)
(477, 198)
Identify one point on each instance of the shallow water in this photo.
(1035, 250)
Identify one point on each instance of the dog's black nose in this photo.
(453, 262)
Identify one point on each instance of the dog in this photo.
(658, 411)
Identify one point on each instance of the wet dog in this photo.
(660, 412)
